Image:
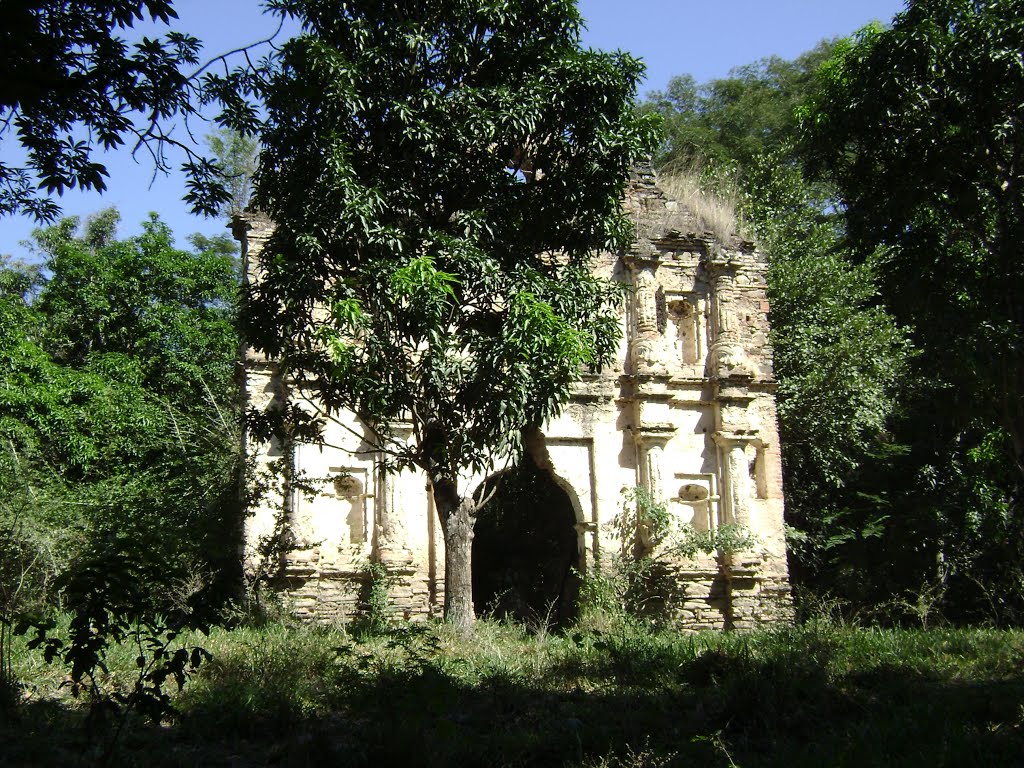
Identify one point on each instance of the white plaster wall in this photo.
(591, 446)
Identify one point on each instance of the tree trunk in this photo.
(457, 516)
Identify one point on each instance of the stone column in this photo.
(650, 442)
(391, 540)
(646, 344)
(728, 358)
(737, 476)
(383, 502)
(652, 452)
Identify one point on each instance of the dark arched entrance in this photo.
(525, 549)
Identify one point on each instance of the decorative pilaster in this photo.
(727, 357)
(390, 537)
(737, 476)
(651, 440)
(647, 343)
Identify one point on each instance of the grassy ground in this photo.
(618, 695)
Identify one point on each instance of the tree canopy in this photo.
(439, 174)
(920, 127)
(237, 155)
(735, 119)
(118, 414)
(69, 83)
(181, 338)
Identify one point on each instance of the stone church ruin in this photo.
(687, 414)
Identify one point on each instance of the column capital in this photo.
(400, 429)
(741, 437)
(656, 435)
(650, 258)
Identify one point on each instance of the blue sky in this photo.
(705, 38)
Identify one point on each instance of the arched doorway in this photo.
(526, 553)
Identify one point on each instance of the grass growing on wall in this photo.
(703, 199)
(283, 694)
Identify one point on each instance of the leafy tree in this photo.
(920, 127)
(236, 154)
(65, 73)
(180, 342)
(439, 173)
(841, 361)
(123, 438)
(69, 83)
(735, 119)
(114, 498)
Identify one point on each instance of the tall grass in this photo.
(606, 694)
(702, 199)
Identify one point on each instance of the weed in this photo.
(620, 697)
(702, 199)
(108, 613)
(374, 598)
(641, 580)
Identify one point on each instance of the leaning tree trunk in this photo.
(457, 516)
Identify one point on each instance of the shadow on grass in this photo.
(601, 701)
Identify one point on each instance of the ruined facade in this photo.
(686, 413)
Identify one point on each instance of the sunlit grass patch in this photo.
(609, 694)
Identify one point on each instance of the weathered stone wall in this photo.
(687, 413)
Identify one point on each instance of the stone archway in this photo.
(526, 551)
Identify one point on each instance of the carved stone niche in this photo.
(688, 327)
(696, 499)
(351, 491)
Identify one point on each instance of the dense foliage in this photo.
(118, 420)
(439, 174)
(919, 128)
(893, 291)
(736, 119)
(944, 179)
(236, 154)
